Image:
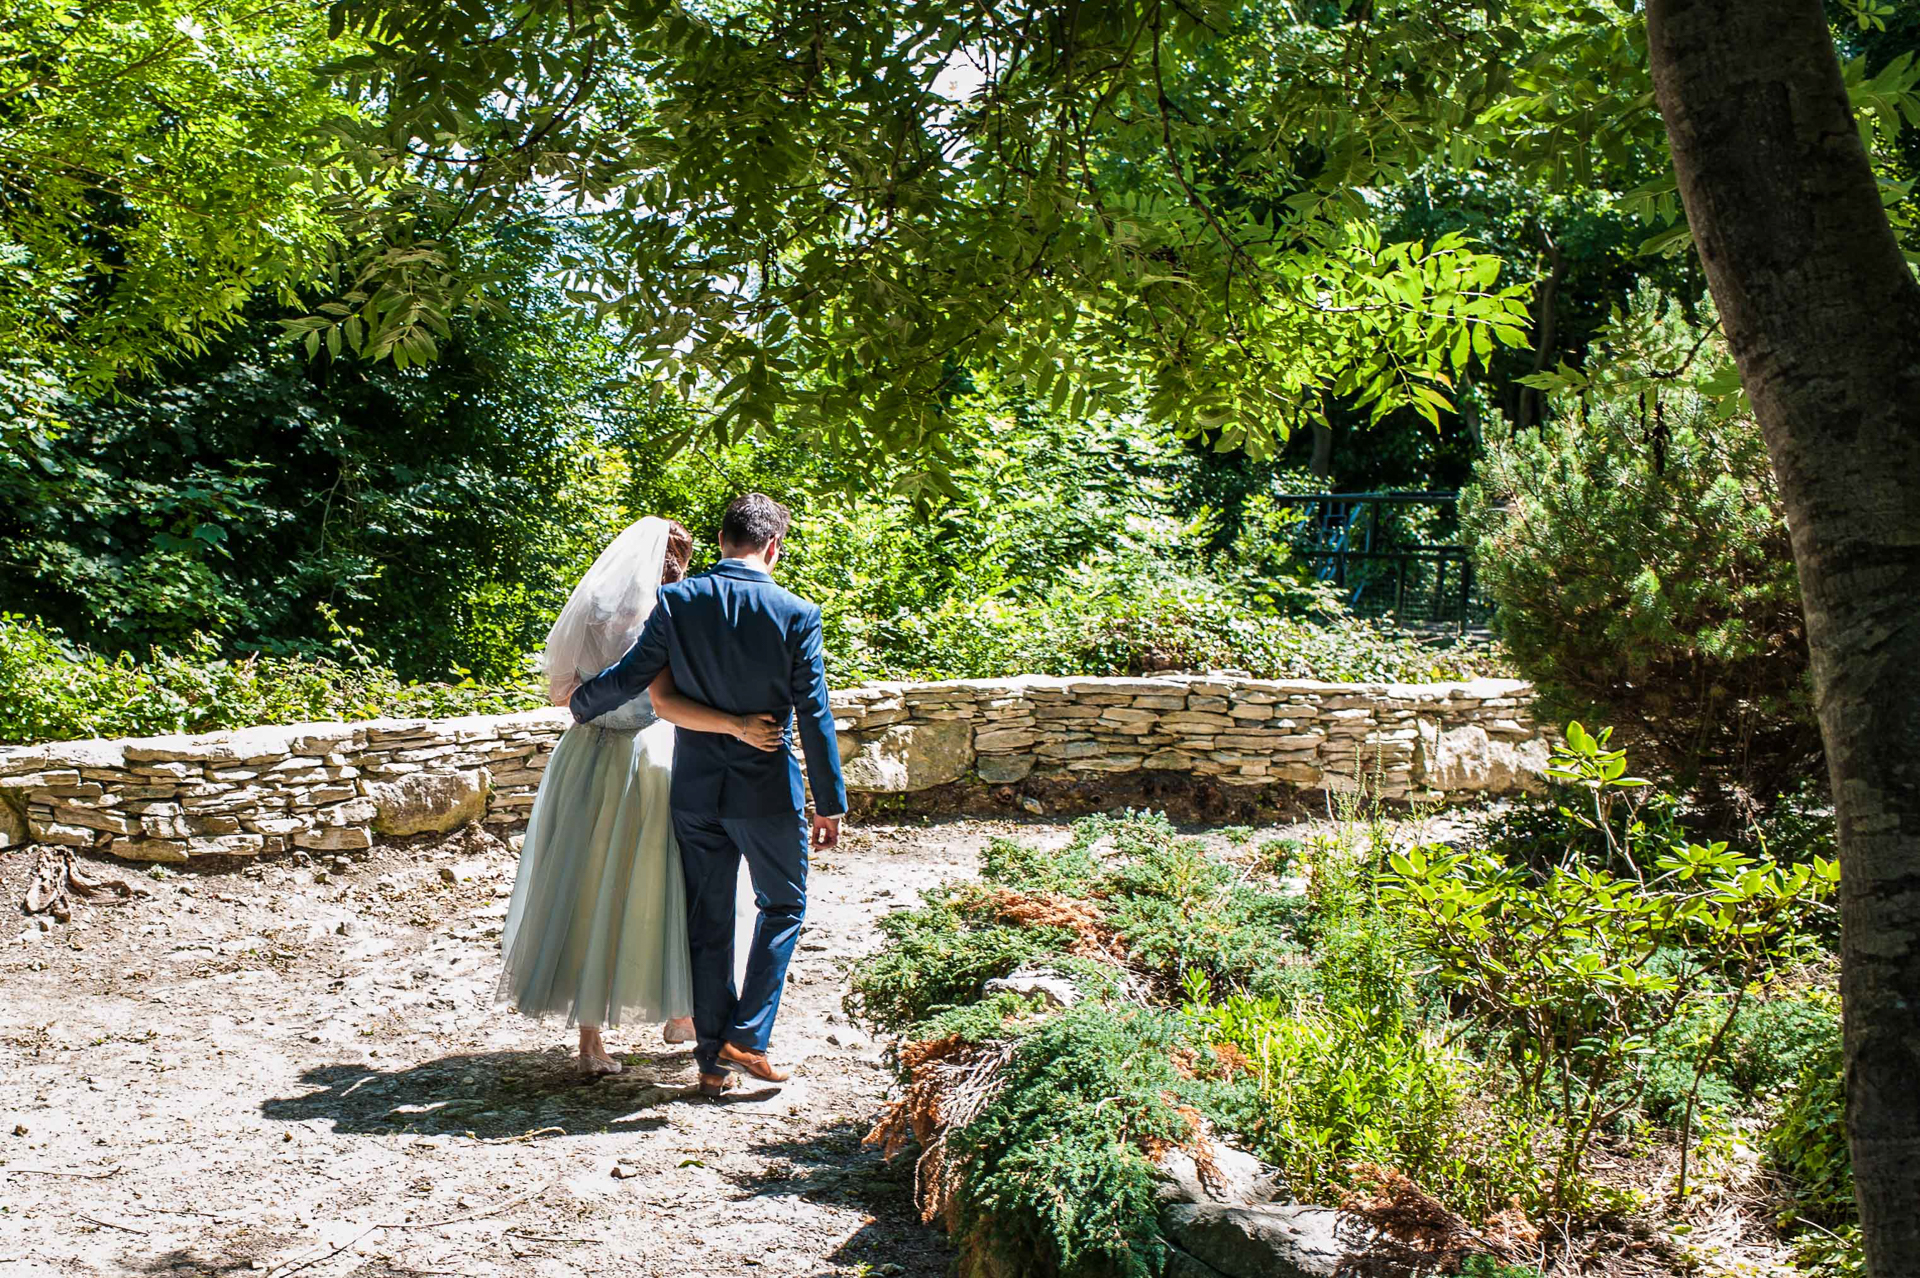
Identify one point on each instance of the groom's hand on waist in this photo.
(826, 832)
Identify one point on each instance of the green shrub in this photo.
(1359, 947)
(941, 956)
(1809, 1142)
(993, 1019)
(1637, 553)
(1808, 1145)
(1773, 1043)
(1172, 908)
(1136, 617)
(1163, 622)
(1343, 1087)
(1179, 911)
(1058, 1173)
(1769, 1045)
(1560, 826)
(1347, 1067)
(53, 691)
(1277, 857)
(1576, 967)
(1071, 869)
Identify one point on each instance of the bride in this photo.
(597, 928)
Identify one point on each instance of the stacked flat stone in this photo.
(337, 786)
(317, 786)
(1398, 741)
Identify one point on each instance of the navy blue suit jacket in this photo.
(738, 643)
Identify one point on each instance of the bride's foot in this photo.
(594, 1058)
(678, 1030)
(594, 1066)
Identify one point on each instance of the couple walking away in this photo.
(678, 766)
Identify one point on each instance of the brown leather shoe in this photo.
(715, 1084)
(741, 1061)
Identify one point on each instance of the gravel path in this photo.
(300, 1070)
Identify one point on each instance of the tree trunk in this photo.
(1824, 319)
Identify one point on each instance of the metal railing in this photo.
(1384, 552)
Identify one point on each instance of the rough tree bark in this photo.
(1823, 316)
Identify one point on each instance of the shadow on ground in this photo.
(186, 1262)
(834, 1165)
(493, 1095)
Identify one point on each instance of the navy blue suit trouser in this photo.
(711, 847)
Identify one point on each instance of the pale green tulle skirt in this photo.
(597, 929)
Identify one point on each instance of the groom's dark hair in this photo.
(752, 521)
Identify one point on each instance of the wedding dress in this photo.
(597, 927)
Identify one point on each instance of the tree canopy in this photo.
(830, 209)
(161, 162)
(831, 213)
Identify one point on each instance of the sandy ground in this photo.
(292, 1069)
(289, 1069)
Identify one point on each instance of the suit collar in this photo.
(739, 571)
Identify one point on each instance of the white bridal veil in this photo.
(604, 614)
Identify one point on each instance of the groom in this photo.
(739, 643)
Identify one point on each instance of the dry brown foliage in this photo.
(1231, 1060)
(1094, 938)
(949, 1081)
(1195, 1142)
(1401, 1224)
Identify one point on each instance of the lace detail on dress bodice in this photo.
(629, 716)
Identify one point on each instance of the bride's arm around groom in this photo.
(739, 643)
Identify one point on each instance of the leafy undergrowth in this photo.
(1333, 1008)
(51, 690)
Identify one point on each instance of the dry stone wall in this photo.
(315, 786)
(1402, 741)
(338, 786)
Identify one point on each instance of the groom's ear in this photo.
(774, 545)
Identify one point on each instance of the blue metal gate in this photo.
(1391, 554)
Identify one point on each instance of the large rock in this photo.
(13, 826)
(423, 802)
(1057, 989)
(1269, 1240)
(166, 851)
(1181, 1265)
(1232, 1177)
(339, 838)
(1005, 769)
(912, 756)
(1466, 758)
